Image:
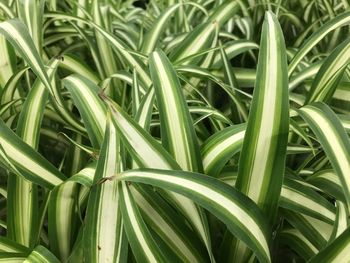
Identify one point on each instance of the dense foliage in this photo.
(174, 131)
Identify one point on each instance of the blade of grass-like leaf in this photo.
(341, 222)
(337, 22)
(330, 73)
(232, 49)
(210, 111)
(297, 241)
(17, 34)
(337, 251)
(61, 212)
(105, 51)
(41, 255)
(300, 198)
(119, 46)
(306, 73)
(92, 110)
(200, 38)
(144, 112)
(9, 90)
(8, 245)
(329, 182)
(238, 111)
(27, 161)
(22, 194)
(7, 61)
(151, 38)
(167, 224)
(217, 150)
(104, 237)
(237, 211)
(316, 231)
(31, 12)
(143, 245)
(76, 65)
(333, 138)
(261, 165)
(178, 135)
(104, 48)
(12, 257)
(29, 122)
(147, 152)
(262, 159)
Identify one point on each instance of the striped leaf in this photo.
(220, 147)
(104, 237)
(143, 245)
(22, 195)
(12, 257)
(31, 13)
(299, 198)
(7, 61)
(85, 95)
(168, 225)
(337, 251)
(178, 135)
(17, 34)
(341, 221)
(27, 161)
(147, 152)
(330, 73)
(76, 65)
(316, 231)
(62, 213)
(333, 138)
(297, 241)
(261, 165)
(151, 38)
(238, 212)
(337, 22)
(41, 255)
(262, 159)
(7, 245)
(159, 216)
(201, 37)
(329, 182)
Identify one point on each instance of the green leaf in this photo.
(337, 22)
(337, 251)
(85, 96)
(220, 147)
(7, 245)
(297, 241)
(178, 135)
(201, 37)
(41, 255)
(238, 212)
(27, 161)
(261, 164)
(333, 138)
(17, 34)
(142, 243)
(147, 152)
(104, 237)
(330, 73)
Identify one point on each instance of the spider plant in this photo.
(174, 131)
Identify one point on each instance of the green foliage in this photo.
(174, 131)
